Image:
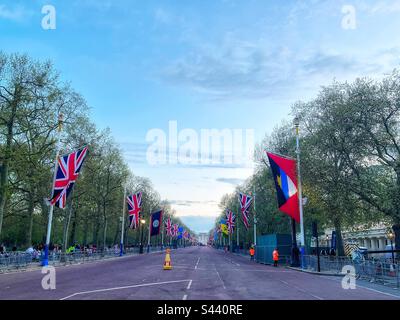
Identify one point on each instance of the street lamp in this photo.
(390, 236)
(142, 222)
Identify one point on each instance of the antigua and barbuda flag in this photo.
(284, 172)
(155, 223)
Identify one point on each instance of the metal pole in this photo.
(45, 261)
(391, 244)
(255, 219)
(237, 228)
(300, 196)
(229, 241)
(141, 237)
(162, 235)
(121, 249)
(299, 187)
(148, 240)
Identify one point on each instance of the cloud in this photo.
(233, 181)
(243, 69)
(17, 13)
(380, 7)
(190, 202)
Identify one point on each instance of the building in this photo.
(373, 239)
(203, 238)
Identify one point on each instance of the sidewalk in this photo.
(34, 266)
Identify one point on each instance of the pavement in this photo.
(199, 273)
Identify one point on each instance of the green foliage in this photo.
(31, 98)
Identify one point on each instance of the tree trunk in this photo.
(117, 232)
(339, 238)
(85, 232)
(7, 155)
(31, 207)
(105, 235)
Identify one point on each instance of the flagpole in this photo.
(229, 240)
(162, 228)
(148, 240)
(302, 240)
(45, 261)
(121, 250)
(237, 227)
(255, 219)
(297, 124)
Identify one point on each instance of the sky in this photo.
(164, 74)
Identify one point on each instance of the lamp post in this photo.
(390, 236)
(121, 248)
(142, 222)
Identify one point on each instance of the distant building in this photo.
(372, 238)
(203, 238)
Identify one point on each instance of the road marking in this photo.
(198, 260)
(231, 261)
(374, 290)
(223, 284)
(121, 288)
(190, 283)
(301, 290)
(184, 297)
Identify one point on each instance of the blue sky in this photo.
(205, 64)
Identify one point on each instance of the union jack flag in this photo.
(175, 230)
(134, 206)
(67, 171)
(245, 203)
(168, 227)
(230, 220)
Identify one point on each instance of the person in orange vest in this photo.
(252, 252)
(275, 257)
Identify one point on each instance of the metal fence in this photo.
(22, 260)
(382, 271)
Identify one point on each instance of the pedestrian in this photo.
(252, 252)
(275, 257)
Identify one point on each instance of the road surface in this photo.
(198, 273)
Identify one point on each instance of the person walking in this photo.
(252, 252)
(275, 257)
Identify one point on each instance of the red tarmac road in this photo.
(198, 273)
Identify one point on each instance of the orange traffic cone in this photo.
(167, 261)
